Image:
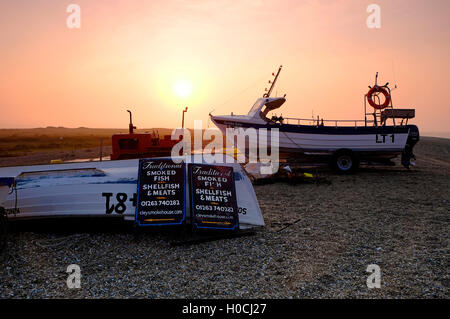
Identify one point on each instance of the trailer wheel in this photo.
(2, 228)
(345, 162)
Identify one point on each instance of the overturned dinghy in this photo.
(100, 189)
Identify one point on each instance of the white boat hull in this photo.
(317, 139)
(331, 143)
(98, 189)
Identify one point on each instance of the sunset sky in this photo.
(156, 57)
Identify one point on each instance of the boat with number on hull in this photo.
(100, 189)
(344, 143)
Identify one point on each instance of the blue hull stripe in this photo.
(340, 130)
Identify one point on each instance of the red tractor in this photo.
(139, 145)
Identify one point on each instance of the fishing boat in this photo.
(97, 189)
(381, 136)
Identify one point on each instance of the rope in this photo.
(287, 226)
(244, 90)
(393, 71)
(66, 241)
(292, 140)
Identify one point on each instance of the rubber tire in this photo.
(345, 162)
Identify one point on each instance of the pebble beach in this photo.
(317, 243)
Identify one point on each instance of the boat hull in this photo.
(297, 140)
(98, 189)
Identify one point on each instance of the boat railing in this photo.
(322, 122)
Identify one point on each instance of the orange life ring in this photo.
(378, 89)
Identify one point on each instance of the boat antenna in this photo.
(393, 71)
(273, 82)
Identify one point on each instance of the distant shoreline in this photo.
(51, 130)
(437, 135)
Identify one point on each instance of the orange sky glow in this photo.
(156, 57)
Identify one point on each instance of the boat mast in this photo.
(273, 83)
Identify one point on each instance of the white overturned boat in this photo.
(343, 143)
(94, 189)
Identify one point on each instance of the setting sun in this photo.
(182, 89)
